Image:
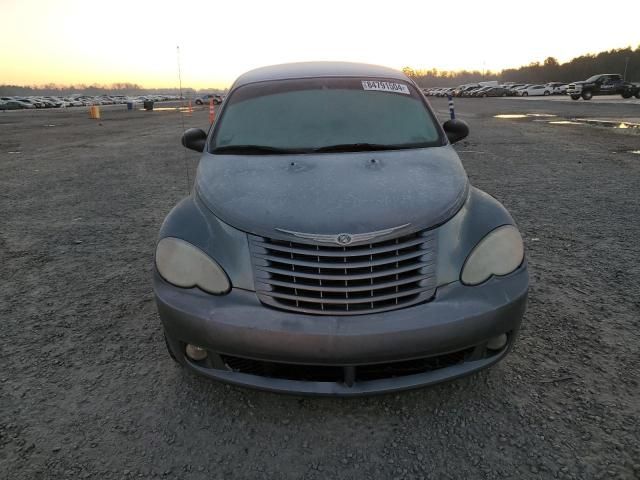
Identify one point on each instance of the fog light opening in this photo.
(497, 342)
(196, 353)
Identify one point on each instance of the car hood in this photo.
(333, 193)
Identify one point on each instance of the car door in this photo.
(615, 84)
(606, 86)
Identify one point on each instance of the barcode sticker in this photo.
(385, 86)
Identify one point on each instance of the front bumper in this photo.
(237, 325)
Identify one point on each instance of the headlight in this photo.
(498, 253)
(185, 265)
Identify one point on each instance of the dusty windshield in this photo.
(324, 114)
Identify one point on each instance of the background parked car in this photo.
(557, 88)
(494, 92)
(603, 84)
(478, 92)
(25, 102)
(204, 99)
(535, 90)
(10, 105)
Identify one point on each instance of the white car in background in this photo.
(74, 102)
(557, 88)
(535, 90)
(26, 103)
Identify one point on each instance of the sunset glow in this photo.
(73, 41)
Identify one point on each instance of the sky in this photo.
(87, 41)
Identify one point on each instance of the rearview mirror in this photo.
(456, 130)
(194, 139)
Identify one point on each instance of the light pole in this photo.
(626, 64)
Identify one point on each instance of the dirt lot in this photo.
(87, 389)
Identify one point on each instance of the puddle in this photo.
(617, 124)
(565, 122)
(523, 115)
(14, 152)
(49, 125)
(633, 152)
(167, 109)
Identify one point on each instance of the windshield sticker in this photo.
(385, 86)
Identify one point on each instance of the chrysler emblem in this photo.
(344, 238)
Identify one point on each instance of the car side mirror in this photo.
(194, 139)
(456, 130)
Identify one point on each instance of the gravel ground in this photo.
(87, 389)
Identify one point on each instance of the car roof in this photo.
(317, 69)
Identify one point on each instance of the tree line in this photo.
(579, 68)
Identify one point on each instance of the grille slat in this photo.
(361, 276)
(345, 280)
(341, 301)
(344, 265)
(356, 288)
(317, 250)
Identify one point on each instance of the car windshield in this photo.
(324, 114)
(593, 79)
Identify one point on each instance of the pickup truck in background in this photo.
(603, 84)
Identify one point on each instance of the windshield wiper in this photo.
(342, 147)
(255, 149)
(367, 147)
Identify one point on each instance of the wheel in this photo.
(484, 95)
(525, 94)
(637, 95)
(198, 102)
(504, 94)
(575, 97)
(546, 92)
(627, 94)
(587, 95)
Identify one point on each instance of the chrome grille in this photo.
(345, 280)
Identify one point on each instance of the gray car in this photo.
(205, 99)
(333, 244)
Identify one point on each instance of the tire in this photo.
(525, 94)
(198, 102)
(627, 94)
(504, 94)
(587, 95)
(166, 342)
(637, 95)
(575, 97)
(546, 93)
(484, 95)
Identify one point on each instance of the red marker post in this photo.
(212, 112)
